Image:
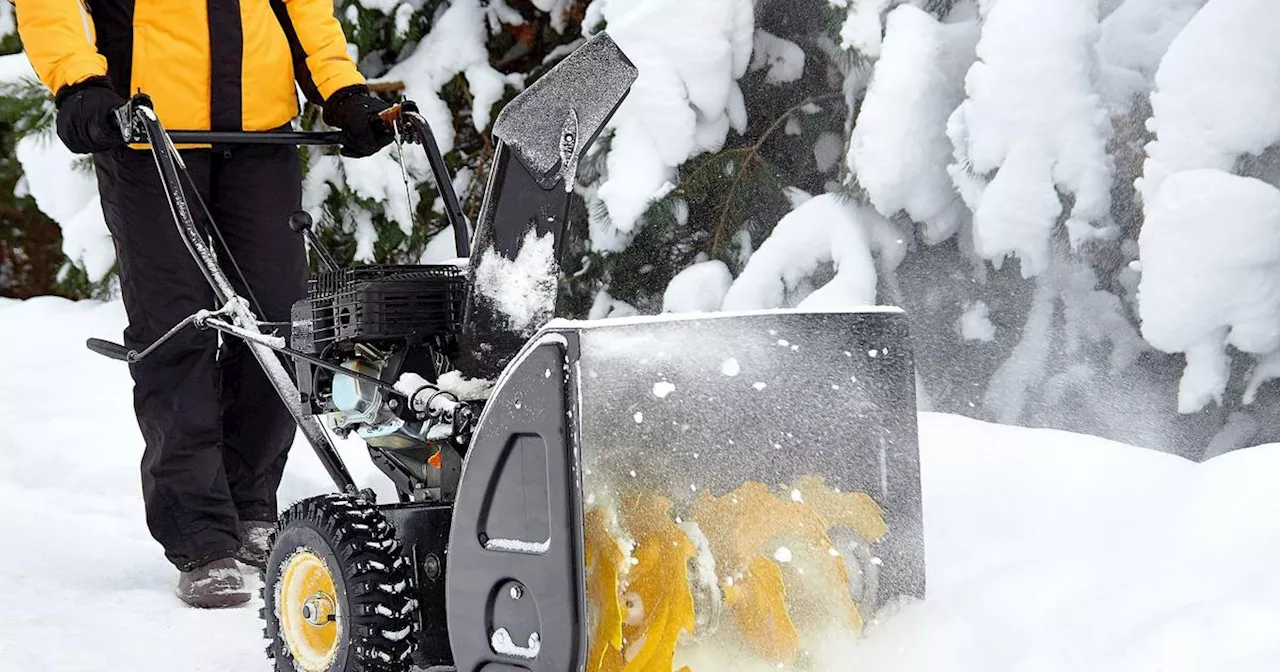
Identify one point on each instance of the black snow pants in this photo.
(216, 433)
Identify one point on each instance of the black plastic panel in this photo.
(423, 530)
(518, 504)
(526, 588)
(542, 133)
(514, 206)
(586, 87)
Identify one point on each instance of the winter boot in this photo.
(213, 585)
(255, 542)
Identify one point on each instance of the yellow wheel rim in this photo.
(307, 607)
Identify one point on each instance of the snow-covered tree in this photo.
(1073, 200)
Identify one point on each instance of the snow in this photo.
(13, 67)
(1045, 550)
(403, 16)
(689, 56)
(699, 288)
(379, 179)
(441, 248)
(8, 24)
(522, 289)
(70, 198)
(1203, 119)
(822, 230)
(502, 643)
(975, 323)
(663, 389)
(783, 58)
(76, 540)
(518, 546)
(1133, 40)
(455, 45)
(557, 10)
(899, 149)
(1210, 252)
(1094, 556)
(827, 150)
(606, 306)
(862, 30)
(466, 389)
(1033, 118)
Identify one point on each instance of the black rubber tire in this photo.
(373, 579)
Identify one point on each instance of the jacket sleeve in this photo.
(59, 39)
(324, 43)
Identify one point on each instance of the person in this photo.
(216, 433)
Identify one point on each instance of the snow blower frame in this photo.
(619, 496)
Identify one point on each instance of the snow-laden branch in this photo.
(690, 56)
(1133, 40)
(456, 45)
(1217, 92)
(823, 230)
(1210, 251)
(1034, 122)
(900, 149)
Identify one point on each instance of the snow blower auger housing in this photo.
(640, 495)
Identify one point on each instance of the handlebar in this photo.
(297, 138)
(126, 116)
(403, 118)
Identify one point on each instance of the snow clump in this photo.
(524, 289)
(899, 149)
(1203, 118)
(824, 230)
(783, 58)
(690, 56)
(1210, 253)
(699, 288)
(1033, 119)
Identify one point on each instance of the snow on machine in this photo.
(643, 494)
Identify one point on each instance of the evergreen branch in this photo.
(26, 106)
(713, 161)
(751, 156)
(722, 220)
(777, 123)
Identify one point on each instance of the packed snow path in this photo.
(1046, 551)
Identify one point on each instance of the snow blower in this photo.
(642, 494)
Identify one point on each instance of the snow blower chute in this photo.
(639, 495)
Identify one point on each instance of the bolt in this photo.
(517, 592)
(431, 567)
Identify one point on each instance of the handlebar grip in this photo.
(108, 349)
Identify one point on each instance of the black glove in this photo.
(354, 110)
(86, 116)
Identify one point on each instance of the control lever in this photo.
(120, 352)
(301, 222)
(408, 124)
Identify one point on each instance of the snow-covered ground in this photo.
(1046, 551)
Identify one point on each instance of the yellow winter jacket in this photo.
(207, 64)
